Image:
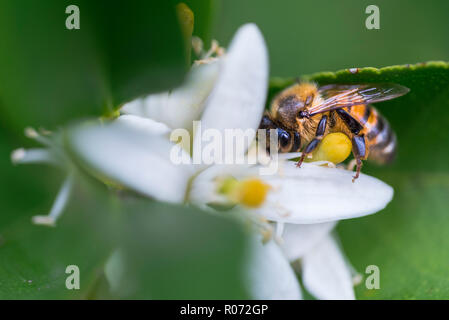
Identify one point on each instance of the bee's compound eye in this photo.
(284, 138)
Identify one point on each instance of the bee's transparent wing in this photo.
(338, 96)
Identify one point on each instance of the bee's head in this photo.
(288, 110)
(291, 106)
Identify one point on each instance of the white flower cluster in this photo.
(306, 203)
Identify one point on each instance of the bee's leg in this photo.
(359, 151)
(321, 129)
(358, 140)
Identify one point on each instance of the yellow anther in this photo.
(335, 148)
(250, 192)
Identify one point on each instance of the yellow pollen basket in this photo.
(335, 147)
(250, 192)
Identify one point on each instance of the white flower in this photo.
(269, 274)
(326, 273)
(180, 107)
(311, 194)
(134, 151)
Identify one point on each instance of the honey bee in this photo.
(304, 113)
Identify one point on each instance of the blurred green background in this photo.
(305, 37)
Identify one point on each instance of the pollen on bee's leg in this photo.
(335, 147)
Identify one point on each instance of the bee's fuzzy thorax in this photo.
(288, 103)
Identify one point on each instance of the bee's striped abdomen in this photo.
(379, 136)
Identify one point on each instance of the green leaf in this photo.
(35, 258)
(173, 252)
(407, 240)
(50, 74)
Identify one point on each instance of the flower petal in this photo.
(269, 274)
(180, 107)
(325, 272)
(238, 98)
(148, 125)
(300, 238)
(132, 156)
(314, 194)
(204, 186)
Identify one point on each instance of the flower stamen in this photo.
(249, 192)
(36, 155)
(58, 205)
(33, 134)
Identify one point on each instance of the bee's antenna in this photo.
(297, 80)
